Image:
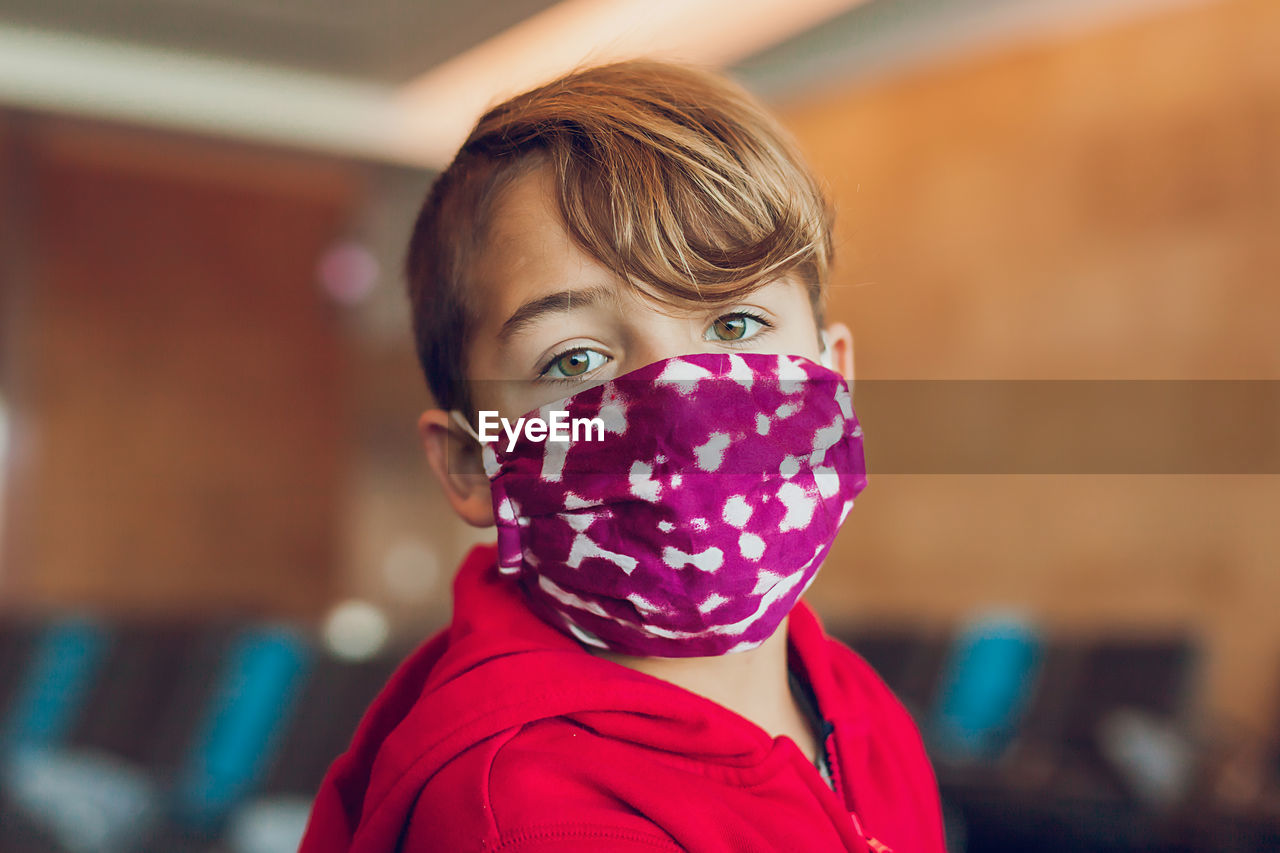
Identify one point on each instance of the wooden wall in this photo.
(1103, 206)
(179, 376)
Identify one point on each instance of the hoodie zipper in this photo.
(828, 734)
(824, 744)
(809, 701)
(831, 779)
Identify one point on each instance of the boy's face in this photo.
(551, 321)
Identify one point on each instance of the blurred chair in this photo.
(241, 729)
(332, 704)
(156, 681)
(335, 699)
(989, 675)
(269, 825)
(1154, 676)
(50, 672)
(49, 695)
(1058, 786)
(18, 637)
(183, 725)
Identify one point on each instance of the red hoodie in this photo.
(503, 734)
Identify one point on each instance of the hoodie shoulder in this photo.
(531, 788)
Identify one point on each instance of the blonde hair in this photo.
(674, 178)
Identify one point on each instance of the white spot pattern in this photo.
(711, 455)
(751, 546)
(708, 560)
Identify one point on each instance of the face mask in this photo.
(693, 509)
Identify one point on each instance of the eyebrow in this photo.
(560, 302)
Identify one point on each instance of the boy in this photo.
(631, 668)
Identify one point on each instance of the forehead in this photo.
(526, 248)
(527, 252)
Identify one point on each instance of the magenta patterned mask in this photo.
(699, 517)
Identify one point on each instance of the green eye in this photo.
(734, 327)
(573, 363)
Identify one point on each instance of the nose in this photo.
(664, 337)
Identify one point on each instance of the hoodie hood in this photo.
(498, 666)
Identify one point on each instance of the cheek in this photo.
(496, 395)
(796, 339)
(488, 394)
(797, 333)
(491, 387)
(529, 397)
(512, 398)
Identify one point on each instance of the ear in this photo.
(840, 342)
(455, 460)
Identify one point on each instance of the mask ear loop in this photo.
(486, 450)
(465, 424)
(826, 359)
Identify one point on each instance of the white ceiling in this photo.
(372, 41)
(332, 74)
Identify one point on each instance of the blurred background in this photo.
(217, 532)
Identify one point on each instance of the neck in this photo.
(752, 684)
